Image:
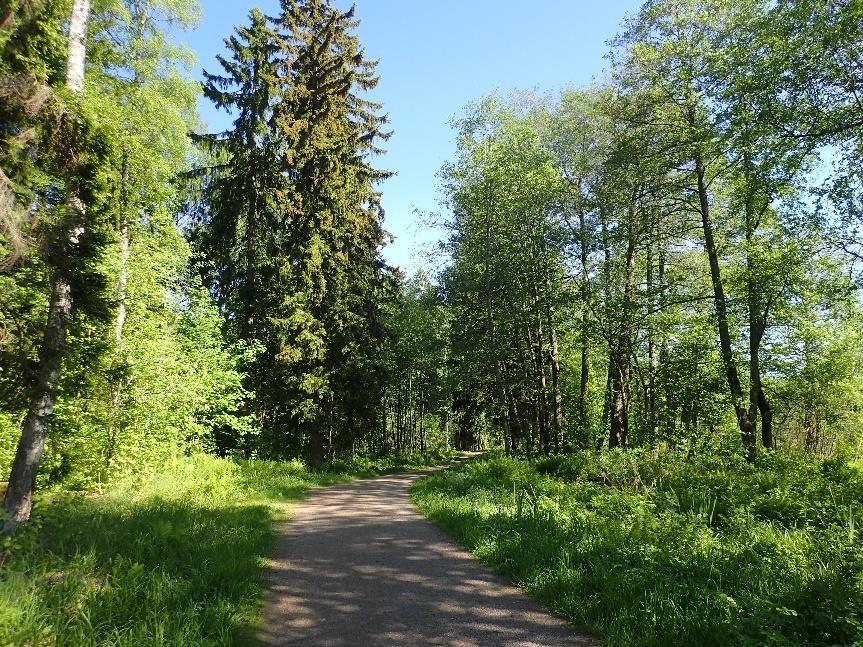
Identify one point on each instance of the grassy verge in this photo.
(664, 550)
(176, 559)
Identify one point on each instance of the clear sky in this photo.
(435, 57)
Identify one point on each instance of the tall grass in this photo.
(173, 559)
(664, 550)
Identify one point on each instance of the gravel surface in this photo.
(358, 565)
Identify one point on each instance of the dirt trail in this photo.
(358, 565)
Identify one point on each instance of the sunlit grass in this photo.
(174, 560)
(664, 550)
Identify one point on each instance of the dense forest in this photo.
(665, 263)
(219, 292)
(674, 254)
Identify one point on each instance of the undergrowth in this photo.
(174, 558)
(664, 549)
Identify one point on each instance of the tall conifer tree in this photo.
(242, 186)
(331, 269)
(292, 232)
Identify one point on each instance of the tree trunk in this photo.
(77, 54)
(810, 415)
(22, 479)
(758, 313)
(114, 424)
(584, 386)
(541, 386)
(556, 399)
(489, 313)
(810, 427)
(662, 361)
(422, 422)
(606, 400)
(123, 278)
(652, 348)
(398, 420)
(249, 288)
(139, 18)
(768, 441)
(19, 495)
(621, 351)
(745, 419)
(515, 430)
(619, 422)
(316, 444)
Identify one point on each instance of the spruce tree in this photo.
(331, 269)
(243, 184)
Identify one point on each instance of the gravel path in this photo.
(358, 565)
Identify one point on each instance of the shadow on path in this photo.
(358, 565)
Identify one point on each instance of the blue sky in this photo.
(435, 57)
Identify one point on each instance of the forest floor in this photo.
(358, 565)
(649, 549)
(175, 557)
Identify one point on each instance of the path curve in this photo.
(358, 565)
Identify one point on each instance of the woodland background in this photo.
(665, 264)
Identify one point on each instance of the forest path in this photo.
(357, 564)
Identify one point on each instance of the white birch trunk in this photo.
(28, 455)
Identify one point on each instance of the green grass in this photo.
(661, 549)
(173, 559)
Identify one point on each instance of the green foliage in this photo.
(33, 40)
(504, 281)
(657, 548)
(161, 381)
(416, 360)
(599, 244)
(289, 233)
(650, 260)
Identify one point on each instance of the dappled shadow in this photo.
(359, 566)
(160, 570)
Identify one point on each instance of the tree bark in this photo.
(123, 278)
(397, 441)
(422, 422)
(584, 385)
(556, 398)
(758, 313)
(768, 440)
(515, 431)
(489, 312)
(541, 385)
(541, 264)
(410, 410)
(316, 449)
(19, 495)
(652, 347)
(810, 428)
(810, 415)
(77, 54)
(606, 401)
(621, 349)
(18, 501)
(619, 424)
(745, 418)
(139, 19)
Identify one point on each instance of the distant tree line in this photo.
(661, 259)
(671, 254)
